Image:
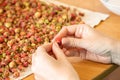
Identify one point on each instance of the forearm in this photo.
(115, 55)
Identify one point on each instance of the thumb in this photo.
(58, 52)
(75, 42)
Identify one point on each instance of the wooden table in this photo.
(88, 70)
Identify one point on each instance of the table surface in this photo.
(88, 70)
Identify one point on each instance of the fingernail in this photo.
(63, 41)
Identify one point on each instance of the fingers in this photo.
(58, 52)
(75, 53)
(98, 58)
(47, 47)
(41, 54)
(80, 30)
(74, 59)
(65, 31)
(75, 30)
(72, 52)
(74, 42)
(44, 49)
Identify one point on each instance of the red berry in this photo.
(22, 55)
(7, 78)
(13, 70)
(39, 39)
(20, 67)
(0, 52)
(14, 1)
(73, 16)
(8, 58)
(1, 70)
(29, 35)
(25, 64)
(8, 53)
(3, 63)
(58, 40)
(1, 39)
(14, 47)
(4, 4)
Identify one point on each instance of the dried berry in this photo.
(25, 25)
(25, 64)
(37, 15)
(21, 67)
(1, 39)
(16, 74)
(12, 64)
(1, 70)
(39, 39)
(25, 48)
(8, 24)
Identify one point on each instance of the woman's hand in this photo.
(90, 44)
(46, 67)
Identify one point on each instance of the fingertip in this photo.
(65, 41)
(47, 46)
(55, 45)
(57, 51)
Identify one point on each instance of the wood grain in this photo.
(88, 70)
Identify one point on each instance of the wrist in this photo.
(115, 52)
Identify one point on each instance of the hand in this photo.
(46, 67)
(90, 44)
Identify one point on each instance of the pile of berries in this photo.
(25, 25)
